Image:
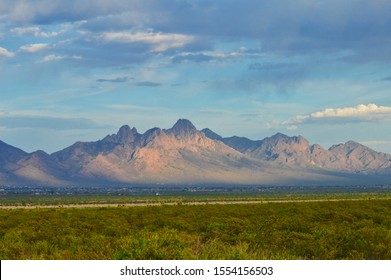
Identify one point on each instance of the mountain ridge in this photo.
(183, 154)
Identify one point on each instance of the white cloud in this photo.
(34, 30)
(160, 41)
(360, 113)
(6, 53)
(52, 57)
(33, 48)
(204, 56)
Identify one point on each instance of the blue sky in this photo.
(79, 69)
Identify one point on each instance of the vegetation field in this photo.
(349, 229)
(51, 196)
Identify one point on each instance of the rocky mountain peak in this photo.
(126, 134)
(184, 154)
(353, 144)
(282, 138)
(277, 138)
(346, 147)
(183, 126)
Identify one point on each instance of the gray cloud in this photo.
(280, 26)
(192, 57)
(148, 84)
(48, 11)
(115, 80)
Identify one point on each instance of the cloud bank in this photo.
(357, 25)
(33, 48)
(360, 113)
(160, 42)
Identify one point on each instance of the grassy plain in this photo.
(346, 229)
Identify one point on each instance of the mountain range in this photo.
(183, 154)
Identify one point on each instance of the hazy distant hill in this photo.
(183, 154)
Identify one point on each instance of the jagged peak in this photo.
(279, 135)
(154, 130)
(349, 144)
(124, 134)
(282, 136)
(183, 126)
(39, 153)
(352, 143)
(126, 130)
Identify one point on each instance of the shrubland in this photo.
(359, 229)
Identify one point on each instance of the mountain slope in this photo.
(296, 152)
(183, 154)
(355, 157)
(178, 154)
(9, 156)
(241, 144)
(39, 168)
(17, 166)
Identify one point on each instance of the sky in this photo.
(75, 70)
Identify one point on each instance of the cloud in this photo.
(33, 30)
(148, 84)
(192, 57)
(52, 57)
(206, 56)
(115, 80)
(6, 53)
(301, 25)
(134, 30)
(160, 41)
(122, 32)
(33, 48)
(53, 123)
(49, 11)
(360, 113)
